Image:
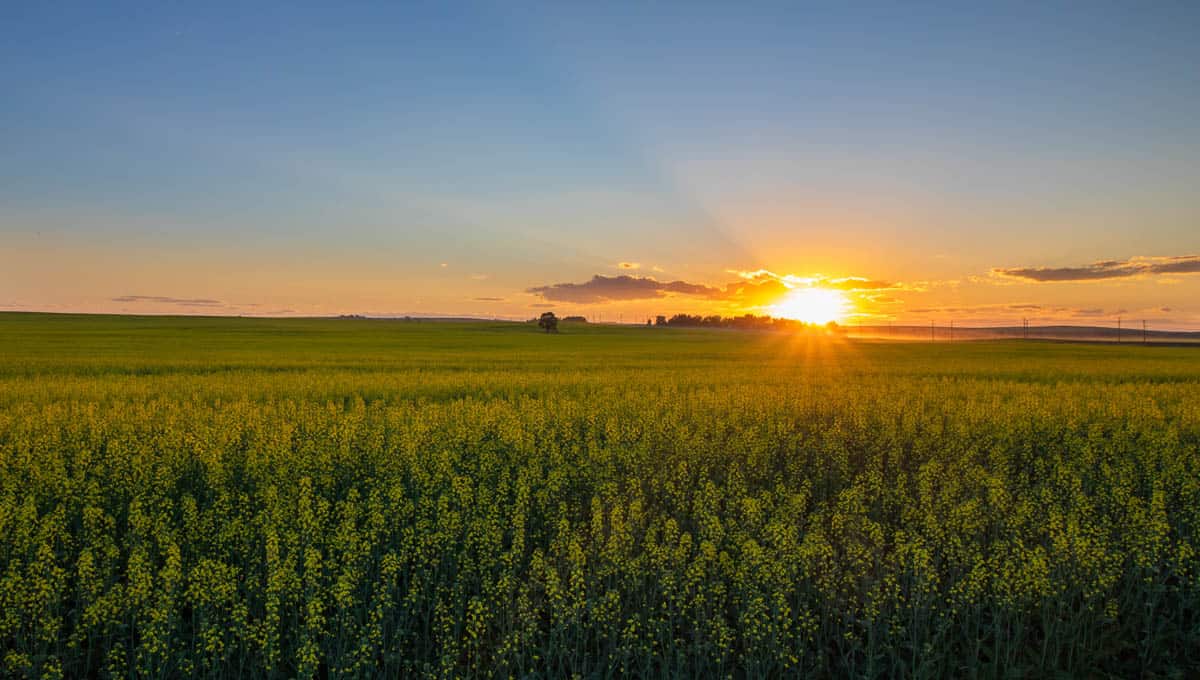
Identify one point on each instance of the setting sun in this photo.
(811, 305)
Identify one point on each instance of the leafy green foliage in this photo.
(350, 498)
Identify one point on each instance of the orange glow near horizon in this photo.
(812, 305)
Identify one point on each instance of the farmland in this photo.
(358, 498)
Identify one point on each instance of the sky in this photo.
(965, 161)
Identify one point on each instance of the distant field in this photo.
(359, 498)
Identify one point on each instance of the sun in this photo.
(811, 305)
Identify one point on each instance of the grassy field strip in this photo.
(357, 498)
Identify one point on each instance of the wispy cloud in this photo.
(629, 265)
(1105, 269)
(162, 299)
(488, 299)
(846, 283)
(1097, 312)
(883, 299)
(855, 283)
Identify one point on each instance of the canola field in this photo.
(190, 497)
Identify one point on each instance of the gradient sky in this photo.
(967, 162)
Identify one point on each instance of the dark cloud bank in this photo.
(1106, 269)
(759, 288)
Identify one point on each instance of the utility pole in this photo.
(1143, 331)
(1118, 330)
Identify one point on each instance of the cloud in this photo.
(479, 277)
(755, 289)
(1097, 311)
(756, 292)
(1180, 264)
(624, 287)
(845, 283)
(488, 299)
(629, 265)
(186, 302)
(943, 310)
(542, 305)
(1105, 269)
(855, 283)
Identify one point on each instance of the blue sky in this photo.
(324, 158)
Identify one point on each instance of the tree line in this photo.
(745, 322)
(549, 322)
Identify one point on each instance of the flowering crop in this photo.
(225, 498)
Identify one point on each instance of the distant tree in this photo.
(660, 320)
(575, 319)
(648, 322)
(548, 322)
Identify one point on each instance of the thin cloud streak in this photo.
(161, 299)
(1040, 311)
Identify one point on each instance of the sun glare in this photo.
(811, 305)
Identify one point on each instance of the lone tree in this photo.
(548, 322)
